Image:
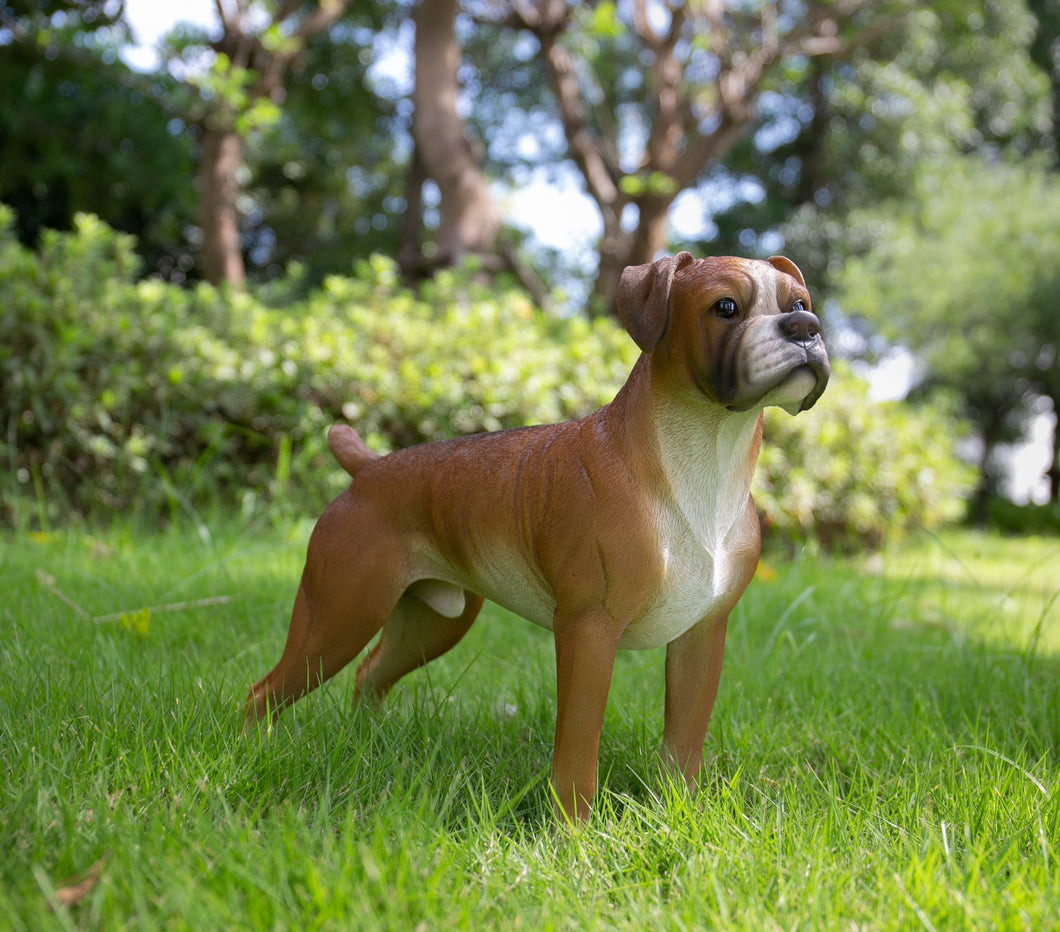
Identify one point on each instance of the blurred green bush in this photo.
(852, 472)
(1019, 520)
(124, 396)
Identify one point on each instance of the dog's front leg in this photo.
(693, 669)
(586, 645)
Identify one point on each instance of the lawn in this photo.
(883, 754)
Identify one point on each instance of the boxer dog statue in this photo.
(630, 528)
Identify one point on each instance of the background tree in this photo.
(470, 221)
(926, 137)
(966, 274)
(76, 134)
(952, 79)
(325, 179)
(242, 87)
(650, 97)
(1045, 52)
(320, 181)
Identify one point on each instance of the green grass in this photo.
(883, 754)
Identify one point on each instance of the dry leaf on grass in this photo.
(70, 892)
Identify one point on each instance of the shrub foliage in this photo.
(121, 394)
(853, 472)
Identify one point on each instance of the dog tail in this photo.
(349, 449)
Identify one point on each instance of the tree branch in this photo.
(673, 112)
(546, 20)
(271, 65)
(289, 8)
(321, 18)
(742, 73)
(228, 20)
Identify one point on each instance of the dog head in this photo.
(739, 331)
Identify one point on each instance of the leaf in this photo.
(138, 621)
(71, 891)
(260, 115)
(765, 573)
(655, 183)
(604, 22)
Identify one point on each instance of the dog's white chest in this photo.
(701, 528)
(697, 583)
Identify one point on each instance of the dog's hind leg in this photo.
(350, 586)
(413, 635)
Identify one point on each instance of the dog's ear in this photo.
(644, 298)
(785, 265)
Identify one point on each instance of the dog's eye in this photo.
(799, 305)
(725, 308)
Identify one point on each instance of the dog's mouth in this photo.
(818, 366)
(795, 391)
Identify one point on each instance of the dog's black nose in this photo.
(800, 326)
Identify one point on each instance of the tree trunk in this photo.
(650, 237)
(612, 253)
(987, 487)
(222, 155)
(1053, 471)
(619, 248)
(984, 490)
(410, 253)
(470, 220)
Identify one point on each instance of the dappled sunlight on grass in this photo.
(1004, 591)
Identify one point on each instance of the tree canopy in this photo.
(779, 119)
(966, 270)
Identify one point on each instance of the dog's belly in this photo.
(510, 581)
(524, 596)
(697, 585)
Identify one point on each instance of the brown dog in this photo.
(630, 528)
